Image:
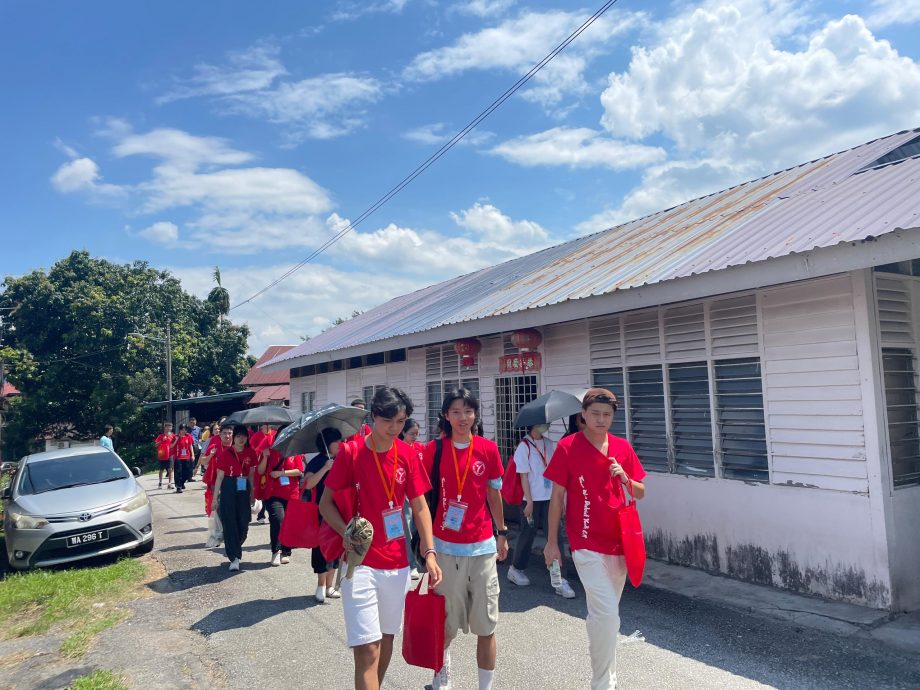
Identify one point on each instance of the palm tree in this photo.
(219, 297)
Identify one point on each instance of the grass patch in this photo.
(30, 603)
(100, 680)
(75, 645)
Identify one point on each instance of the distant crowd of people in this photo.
(435, 507)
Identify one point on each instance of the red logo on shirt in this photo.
(479, 468)
(401, 475)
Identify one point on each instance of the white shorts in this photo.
(373, 602)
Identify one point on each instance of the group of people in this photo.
(451, 490)
(179, 454)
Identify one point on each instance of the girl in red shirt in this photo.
(236, 466)
(282, 484)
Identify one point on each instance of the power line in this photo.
(435, 156)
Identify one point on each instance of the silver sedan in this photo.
(67, 505)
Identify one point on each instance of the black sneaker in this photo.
(178, 491)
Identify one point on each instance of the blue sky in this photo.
(245, 134)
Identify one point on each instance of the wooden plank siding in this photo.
(565, 356)
(812, 386)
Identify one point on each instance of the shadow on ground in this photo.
(250, 613)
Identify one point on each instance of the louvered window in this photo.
(691, 421)
(901, 406)
(368, 392)
(647, 423)
(612, 380)
(740, 416)
(733, 326)
(685, 332)
(604, 339)
(643, 338)
(307, 401)
(894, 307)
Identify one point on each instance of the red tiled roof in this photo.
(267, 394)
(8, 390)
(257, 377)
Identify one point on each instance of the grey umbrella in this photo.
(300, 437)
(266, 414)
(547, 408)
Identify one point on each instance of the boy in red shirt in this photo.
(469, 474)
(384, 471)
(164, 444)
(588, 471)
(183, 448)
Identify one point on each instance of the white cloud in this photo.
(495, 227)
(180, 149)
(348, 10)
(438, 134)
(82, 175)
(517, 44)
(484, 8)
(252, 69)
(887, 12)
(65, 148)
(577, 148)
(162, 232)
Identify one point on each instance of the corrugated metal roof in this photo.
(260, 377)
(817, 204)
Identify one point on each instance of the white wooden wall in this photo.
(565, 356)
(812, 394)
(415, 387)
(488, 370)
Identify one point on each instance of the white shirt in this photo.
(529, 457)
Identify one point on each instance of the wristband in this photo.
(502, 532)
(425, 555)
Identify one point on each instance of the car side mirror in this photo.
(7, 493)
(136, 471)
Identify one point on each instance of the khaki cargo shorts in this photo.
(470, 589)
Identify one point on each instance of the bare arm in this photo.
(498, 516)
(313, 478)
(422, 517)
(217, 482)
(551, 551)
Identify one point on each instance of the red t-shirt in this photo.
(164, 443)
(365, 430)
(484, 466)
(291, 491)
(259, 441)
(592, 497)
(184, 447)
(354, 465)
(236, 464)
(210, 474)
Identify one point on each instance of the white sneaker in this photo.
(414, 574)
(320, 594)
(276, 558)
(441, 680)
(565, 590)
(261, 521)
(285, 560)
(518, 577)
(234, 564)
(333, 593)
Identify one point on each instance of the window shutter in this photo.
(604, 339)
(643, 339)
(685, 332)
(733, 326)
(691, 421)
(894, 307)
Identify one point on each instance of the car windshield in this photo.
(75, 470)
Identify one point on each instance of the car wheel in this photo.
(144, 548)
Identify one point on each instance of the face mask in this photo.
(543, 428)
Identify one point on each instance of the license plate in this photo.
(88, 538)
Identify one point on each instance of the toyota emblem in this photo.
(85, 517)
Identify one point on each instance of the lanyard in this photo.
(466, 472)
(541, 453)
(391, 489)
(237, 456)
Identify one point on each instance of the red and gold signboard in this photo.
(520, 363)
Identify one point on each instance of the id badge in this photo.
(546, 483)
(284, 480)
(454, 517)
(241, 484)
(393, 523)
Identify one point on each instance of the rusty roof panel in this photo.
(817, 204)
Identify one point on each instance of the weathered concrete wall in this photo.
(905, 552)
(814, 542)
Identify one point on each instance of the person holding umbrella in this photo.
(589, 470)
(383, 471)
(282, 485)
(235, 467)
(314, 481)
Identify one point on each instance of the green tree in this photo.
(219, 297)
(70, 353)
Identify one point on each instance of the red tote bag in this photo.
(633, 541)
(512, 489)
(300, 527)
(423, 628)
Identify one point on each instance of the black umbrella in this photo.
(300, 437)
(547, 408)
(266, 414)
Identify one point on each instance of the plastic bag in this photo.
(257, 507)
(423, 628)
(215, 531)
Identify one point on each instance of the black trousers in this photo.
(275, 508)
(524, 543)
(182, 472)
(233, 509)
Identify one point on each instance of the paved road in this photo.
(262, 628)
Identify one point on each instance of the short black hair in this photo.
(389, 402)
(357, 401)
(108, 428)
(240, 430)
(326, 438)
(408, 425)
(183, 426)
(469, 400)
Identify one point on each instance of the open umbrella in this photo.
(300, 437)
(547, 408)
(266, 414)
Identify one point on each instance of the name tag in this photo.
(546, 483)
(393, 523)
(454, 516)
(241, 484)
(283, 480)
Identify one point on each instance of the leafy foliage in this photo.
(219, 297)
(69, 348)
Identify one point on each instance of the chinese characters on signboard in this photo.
(520, 363)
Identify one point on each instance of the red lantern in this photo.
(467, 348)
(527, 339)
